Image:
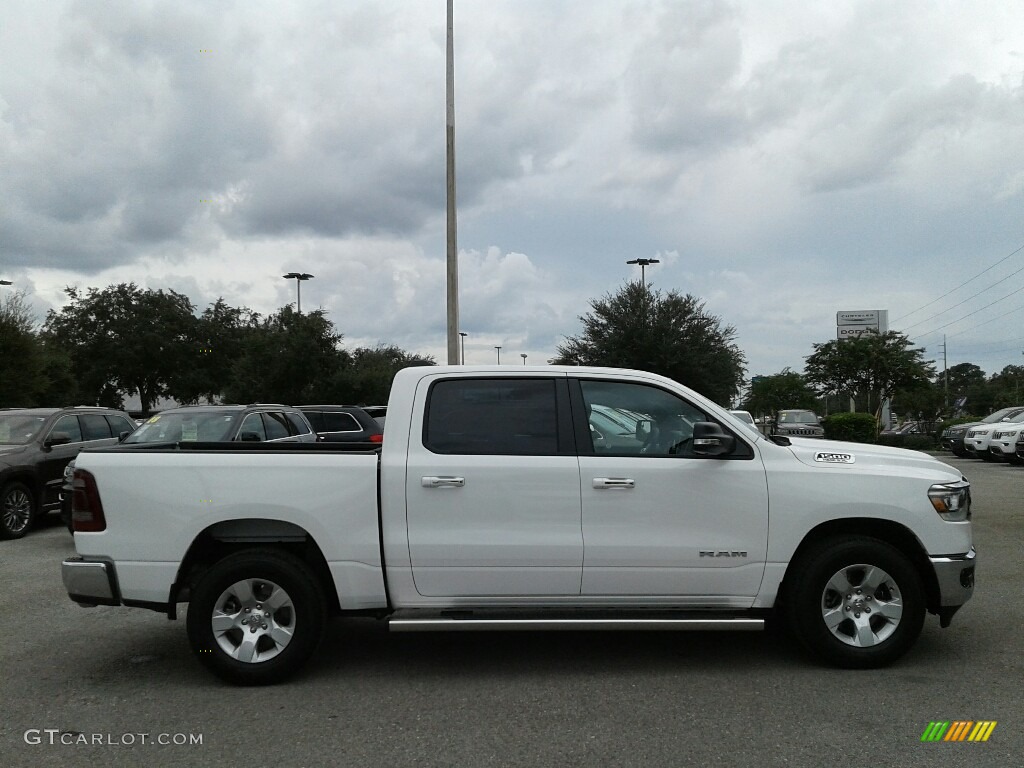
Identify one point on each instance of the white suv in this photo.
(1003, 445)
(979, 438)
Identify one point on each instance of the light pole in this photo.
(644, 263)
(498, 347)
(298, 277)
(523, 355)
(463, 334)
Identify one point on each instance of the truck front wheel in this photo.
(856, 602)
(256, 616)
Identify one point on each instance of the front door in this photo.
(658, 520)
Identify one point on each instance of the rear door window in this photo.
(297, 423)
(94, 426)
(516, 417)
(277, 425)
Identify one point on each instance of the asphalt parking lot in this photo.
(105, 686)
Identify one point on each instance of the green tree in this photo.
(289, 358)
(222, 334)
(872, 368)
(22, 365)
(669, 334)
(1007, 387)
(124, 339)
(367, 381)
(787, 389)
(967, 380)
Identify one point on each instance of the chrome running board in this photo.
(469, 624)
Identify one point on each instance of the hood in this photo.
(965, 427)
(9, 451)
(835, 454)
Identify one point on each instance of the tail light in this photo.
(86, 507)
(376, 438)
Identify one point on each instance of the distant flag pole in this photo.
(453, 247)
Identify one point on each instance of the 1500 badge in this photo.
(834, 458)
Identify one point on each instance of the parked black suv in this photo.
(35, 446)
(343, 424)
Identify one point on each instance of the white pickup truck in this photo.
(526, 498)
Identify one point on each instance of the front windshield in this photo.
(198, 426)
(19, 428)
(1006, 414)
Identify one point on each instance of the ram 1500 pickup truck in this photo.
(526, 498)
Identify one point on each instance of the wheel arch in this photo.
(230, 536)
(888, 531)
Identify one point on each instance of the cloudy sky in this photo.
(784, 160)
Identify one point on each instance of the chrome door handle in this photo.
(442, 482)
(611, 483)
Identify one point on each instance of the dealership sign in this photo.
(864, 322)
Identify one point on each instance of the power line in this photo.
(948, 309)
(959, 286)
(954, 322)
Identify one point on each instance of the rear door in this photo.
(493, 488)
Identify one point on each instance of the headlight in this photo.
(952, 501)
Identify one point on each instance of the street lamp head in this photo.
(644, 262)
(298, 276)
(6, 282)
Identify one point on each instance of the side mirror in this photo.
(643, 429)
(710, 440)
(123, 435)
(57, 438)
(249, 437)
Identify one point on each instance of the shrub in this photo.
(913, 442)
(852, 427)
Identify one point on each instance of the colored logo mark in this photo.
(959, 730)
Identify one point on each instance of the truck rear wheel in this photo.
(256, 616)
(856, 602)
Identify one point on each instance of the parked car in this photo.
(343, 424)
(798, 423)
(747, 419)
(225, 423)
(1004, 442)
(35, 446)
(978, 439)
(953, 438)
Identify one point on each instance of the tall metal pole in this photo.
(499, 354)
(462, 338)
(945, 370)
(453, 247)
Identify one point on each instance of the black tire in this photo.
(17, 510)
(850, 628)
(268, 604)
(1014, 459)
